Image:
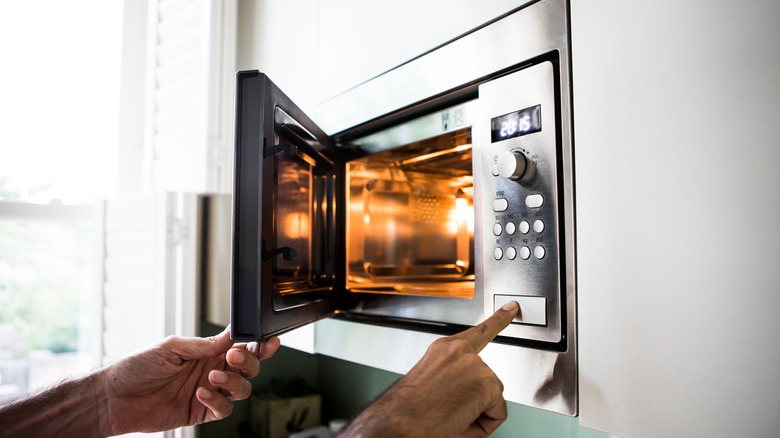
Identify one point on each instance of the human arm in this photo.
(178, 382)
(449, 392)
(68, 409)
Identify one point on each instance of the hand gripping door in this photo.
(284, 266)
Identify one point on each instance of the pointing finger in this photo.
(480, 335)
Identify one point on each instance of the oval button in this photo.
(534, 201)
(539, 252)
(524, 227)
(510, 228)
(497, 229)
(500, 204)
(498, 253)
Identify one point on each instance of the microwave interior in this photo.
(410, 220)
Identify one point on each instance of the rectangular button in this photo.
(533, 310)
(534, 201)
(500, 204)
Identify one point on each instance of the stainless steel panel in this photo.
(532, 275)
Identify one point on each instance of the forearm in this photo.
(70, 408)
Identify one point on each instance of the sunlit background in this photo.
(59, 92)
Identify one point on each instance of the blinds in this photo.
(176, 122)
(178, 85)
(149, 289)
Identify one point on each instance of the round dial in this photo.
(512, 165)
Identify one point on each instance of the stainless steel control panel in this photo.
(516, 175)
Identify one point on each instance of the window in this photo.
(58, 135)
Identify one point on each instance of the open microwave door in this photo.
(284, 264)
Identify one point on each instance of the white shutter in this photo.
(150, 245)
(149, 289)
(190, 62)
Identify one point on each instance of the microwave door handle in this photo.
(299, 132)
(289, 150)
(301, 139)
(286, 252)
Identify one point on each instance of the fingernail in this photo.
(511, 305)
(236, 357)
(205, 394)
(218, 377)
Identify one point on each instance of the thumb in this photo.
(197, 348)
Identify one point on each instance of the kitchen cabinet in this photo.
(675, 114)
(314, 50)
(360, 40)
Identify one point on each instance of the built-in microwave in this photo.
(428, 216)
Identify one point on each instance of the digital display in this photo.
(515, 124)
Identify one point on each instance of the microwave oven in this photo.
(426, 213)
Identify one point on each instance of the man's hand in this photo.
(179, 382)
(449, 392)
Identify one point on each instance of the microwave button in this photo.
(500, 204)
(497, 229)
(533, 310)
(539, 252)
(525, 253)
(524, 227)
(494, 170)
(538, 226)
(510, 228)
(511, 253)
(534, 201)
(498, 253)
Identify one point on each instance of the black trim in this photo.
(245, 271)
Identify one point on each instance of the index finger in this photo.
(480, 335)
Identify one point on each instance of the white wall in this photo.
(676, 137)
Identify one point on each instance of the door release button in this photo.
(533, 310)
(500, 204)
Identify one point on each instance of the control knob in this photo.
(511, 165)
